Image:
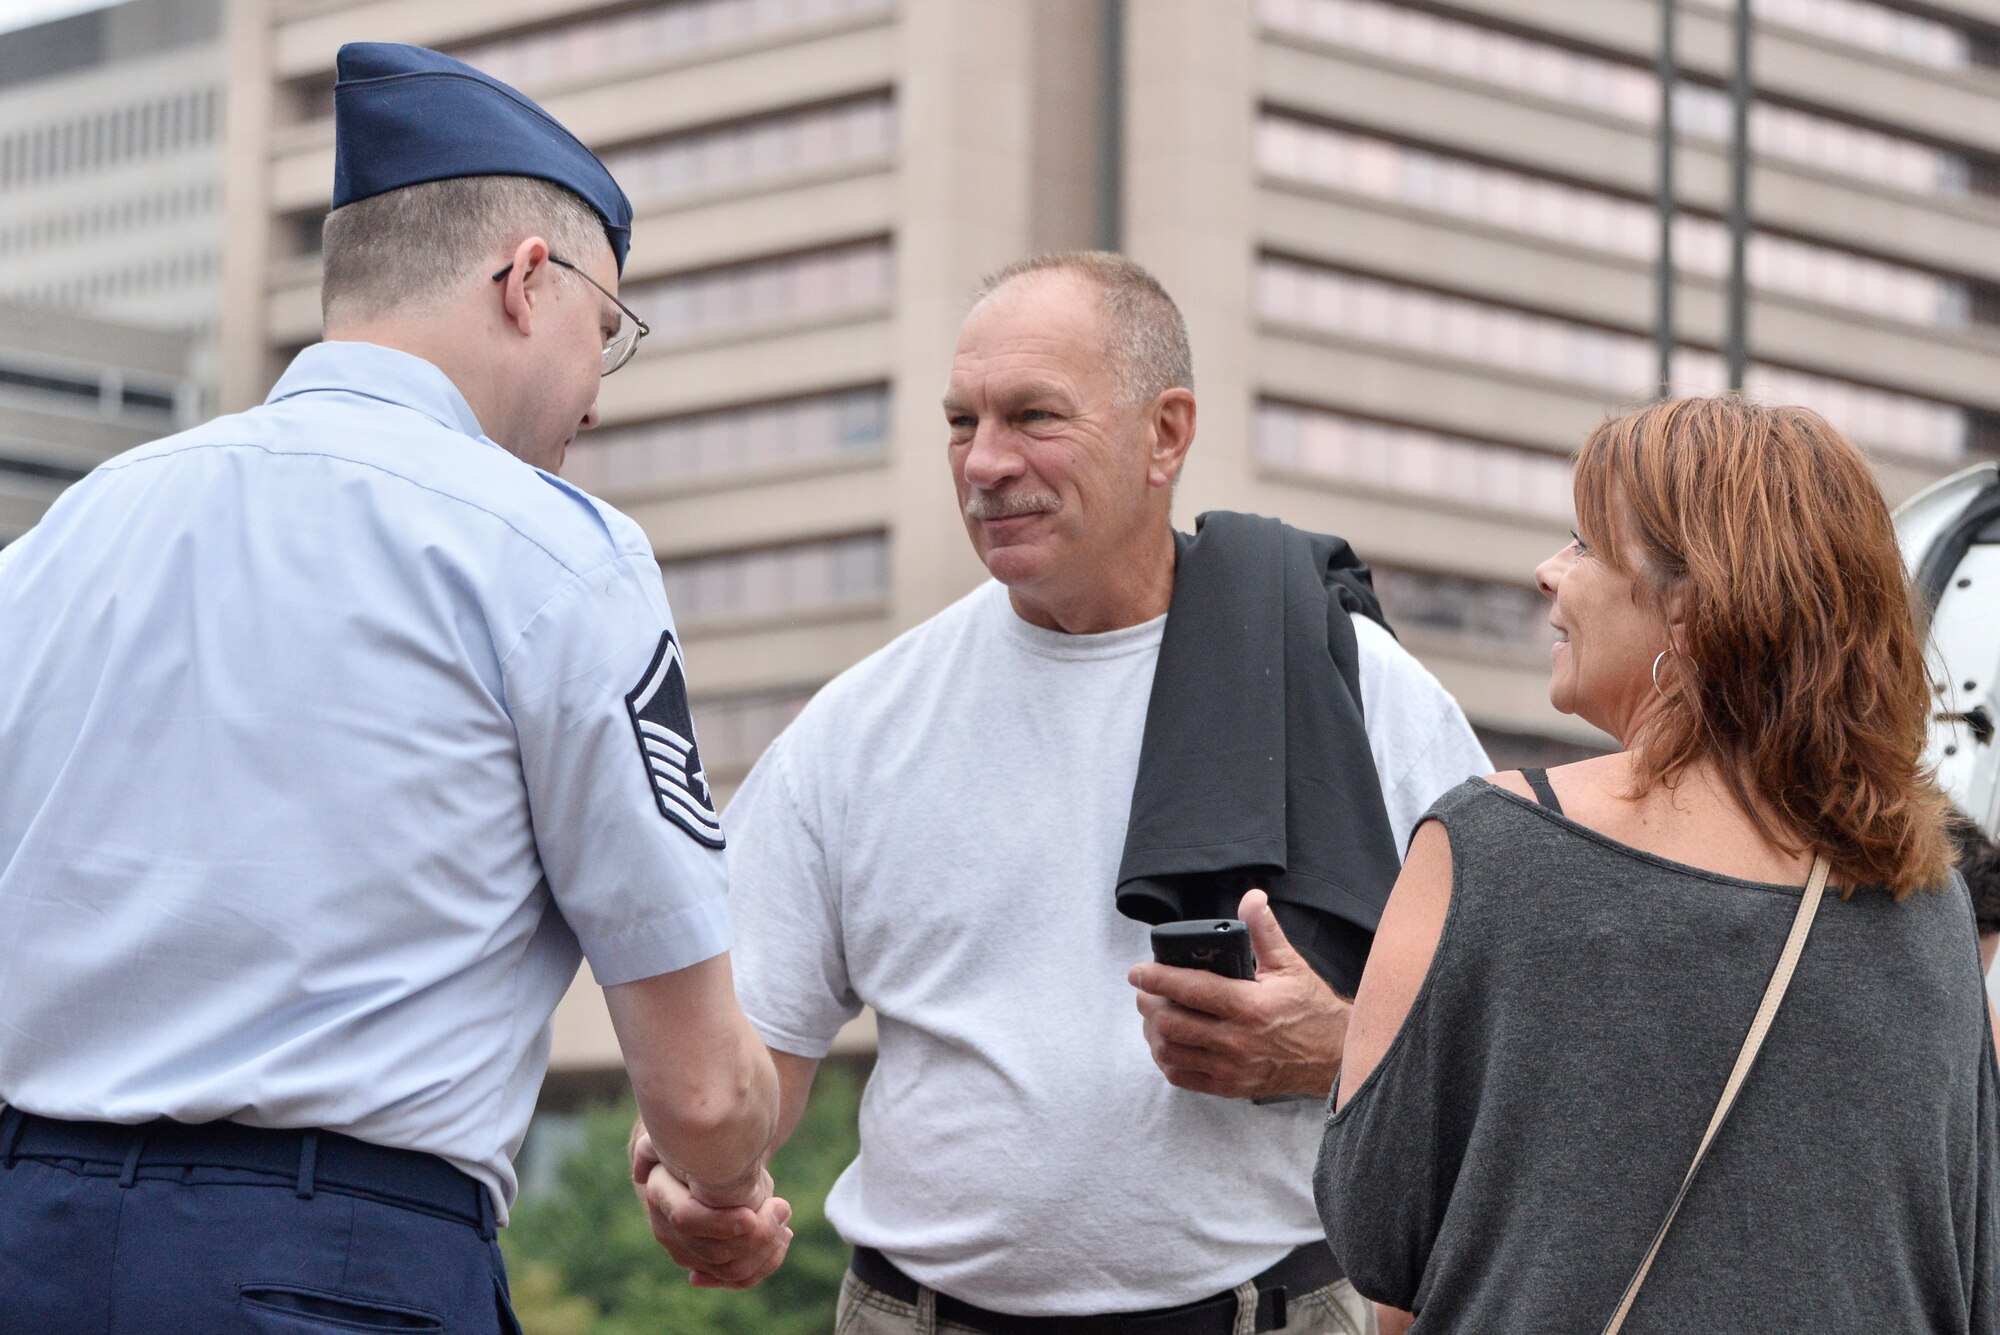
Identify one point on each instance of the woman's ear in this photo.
(1674, 606)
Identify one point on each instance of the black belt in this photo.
(309, 1161)
(1306, 1270)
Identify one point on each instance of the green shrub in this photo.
(583, 1261)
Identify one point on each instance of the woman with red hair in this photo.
(1693, 1033)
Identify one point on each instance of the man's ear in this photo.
(1173, 431)
(527, 274)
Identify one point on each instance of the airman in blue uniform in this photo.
(337, 732)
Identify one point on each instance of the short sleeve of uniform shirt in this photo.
(623, 819)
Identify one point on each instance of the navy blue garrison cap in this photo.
(403, 115)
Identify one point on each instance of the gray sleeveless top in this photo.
(1506, 1164)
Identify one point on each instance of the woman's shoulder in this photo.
(1467, 793)
(1500, 817)
(1488, 791)
(1586, 777)
(1472, 811)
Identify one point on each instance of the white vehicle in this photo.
(1950, 536)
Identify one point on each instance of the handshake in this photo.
(731, 1238)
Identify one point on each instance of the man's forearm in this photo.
(795, 1078)
(716, 1135)
(795, 1081)
(706, 1089)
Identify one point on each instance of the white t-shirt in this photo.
(938, 836)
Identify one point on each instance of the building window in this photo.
(37, 469)
(749, 438)
(811, 284)
(1871, 27)
(743, 153)
(734, 730)
(1479, 611)
(78, 389)
(302, 231)
(147, 400)
(1823, 142)
(1302, 150)
(1559, 74)
(830, 575)
(592, 46)
(1293, 292)
(1323, 444)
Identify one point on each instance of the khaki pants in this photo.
(1334, 1310)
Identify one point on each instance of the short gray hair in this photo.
(1146, 340)
(404, 247)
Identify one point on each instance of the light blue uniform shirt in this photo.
(331, 731)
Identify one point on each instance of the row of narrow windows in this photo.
(82, 291)
(88, 386)
(1525, 200)
(1308, 295)
(111, 217)
(1631, 91)
(101, 139)
(593, 45)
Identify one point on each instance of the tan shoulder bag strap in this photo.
(1767, 1011)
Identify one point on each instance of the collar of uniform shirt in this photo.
(376, 372)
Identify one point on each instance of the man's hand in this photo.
(1279, 1033)
(721, 1247)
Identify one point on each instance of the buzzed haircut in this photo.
(1146, 340)
(403, 247)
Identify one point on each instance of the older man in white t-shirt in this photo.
(938, 835)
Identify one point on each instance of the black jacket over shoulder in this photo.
(1255, 768)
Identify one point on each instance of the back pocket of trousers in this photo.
(315, 1309)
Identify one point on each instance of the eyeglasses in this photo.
(623, 343)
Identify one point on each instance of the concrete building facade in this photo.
(111, 165)
(1413, 242)
(75, 391)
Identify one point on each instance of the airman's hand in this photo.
(721, 1247)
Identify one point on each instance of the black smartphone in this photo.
(1219, 945)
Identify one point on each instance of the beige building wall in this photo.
(75, 391)
(111, 168)
(1412, 242)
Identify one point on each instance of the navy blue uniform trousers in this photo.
(92, 1245)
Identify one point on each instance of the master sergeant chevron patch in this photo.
(665, 731)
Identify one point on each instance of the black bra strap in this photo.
(1538, 779)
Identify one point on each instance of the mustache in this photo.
(1009, 504)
